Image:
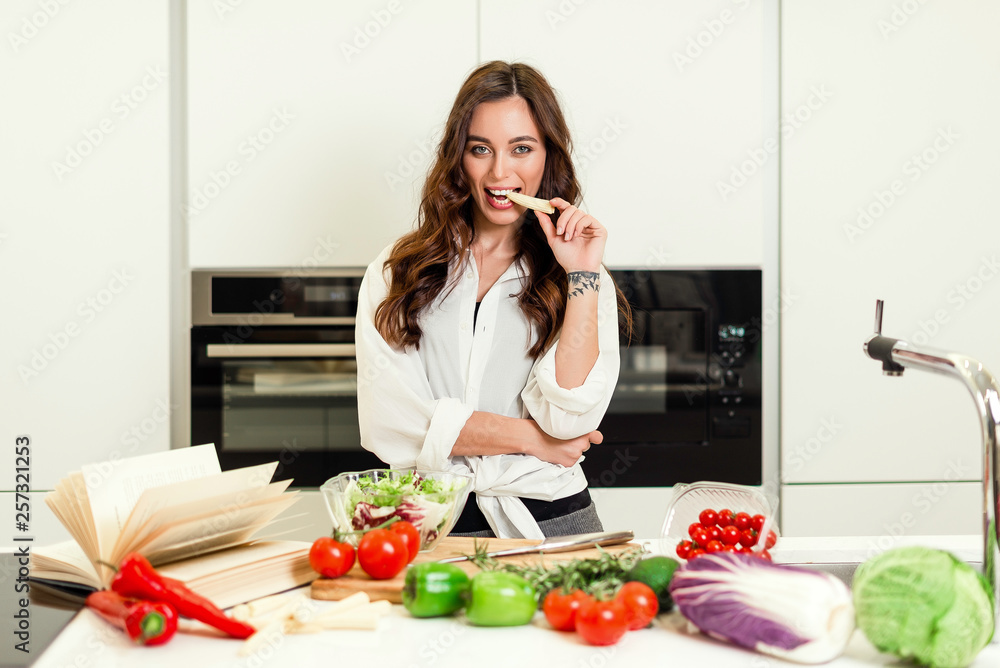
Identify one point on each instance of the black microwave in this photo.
(687, 406)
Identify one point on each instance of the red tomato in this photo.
(601, 622)
(640, 604)
(714, 532)
(714, 546)
(701, 537)
(696, 552)
(771, 539)
(731, 548)
(725, 517)
(765, 555)
(560, 608)
(382, 554)
(694, 527)
(742, 521)
(730, 535)
(410, 536)
(757, 522)
(708, 517)
(684, 548)
(748, 538)
(330, 558)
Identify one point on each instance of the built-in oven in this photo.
(274, 376)
(687, 405)
(273, 370)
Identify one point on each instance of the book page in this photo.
(204, 526)
(163, 505)
(114, 487)
(63, 561)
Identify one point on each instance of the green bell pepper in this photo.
(498, 598)
(434, 590)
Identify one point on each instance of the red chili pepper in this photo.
(146, 622)
(137, 578)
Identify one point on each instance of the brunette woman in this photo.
(487, 338)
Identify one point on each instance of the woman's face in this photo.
(505, 150)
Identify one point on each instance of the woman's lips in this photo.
(499, 201)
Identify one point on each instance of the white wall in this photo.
(888, 191)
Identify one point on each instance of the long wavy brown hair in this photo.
(419, 262)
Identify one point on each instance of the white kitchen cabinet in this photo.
(311, 124)
(887, 192)
(84, 230)
(884, 512)
(666, 104)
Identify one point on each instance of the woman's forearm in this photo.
(577, 349)
(491, 434)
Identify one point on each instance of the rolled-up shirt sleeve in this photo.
(400, 420)
(569, 413)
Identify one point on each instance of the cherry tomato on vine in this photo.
(561, 608)
(382, 554)
(730, 535)
(641, 604)
(765, 555)
(708, 517)
(410, 536)
(742, 521)
(714, 532)
(695, 527)
(757, 522)
(748, 538)
(701, 537)
(725, 517)
(330, 558)
(684, 548)
(601, 622)
(714, 546)
(696, 552)
(771, 539)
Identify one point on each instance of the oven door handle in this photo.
(280, 350)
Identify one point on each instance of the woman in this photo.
(487, 338)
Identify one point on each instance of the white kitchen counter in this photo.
(403, 642)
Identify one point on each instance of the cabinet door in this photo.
(312, 123)
(666, 104)
(888, 191)
(84, 233)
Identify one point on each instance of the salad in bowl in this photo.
(430, 500)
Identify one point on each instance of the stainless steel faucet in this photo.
(896, 356)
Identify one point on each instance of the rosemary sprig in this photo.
(600, 577)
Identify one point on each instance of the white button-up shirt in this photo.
(413, 403)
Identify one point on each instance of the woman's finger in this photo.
(546, 224)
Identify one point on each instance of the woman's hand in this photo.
(564, 453)
(578, 242)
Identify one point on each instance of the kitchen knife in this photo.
(571, 543)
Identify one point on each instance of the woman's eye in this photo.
(480, 150)
(522, 149)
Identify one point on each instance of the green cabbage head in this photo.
(924, 605)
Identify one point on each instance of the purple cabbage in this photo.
(788, 612)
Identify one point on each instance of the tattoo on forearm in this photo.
(581, 281)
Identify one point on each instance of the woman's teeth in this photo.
(500, 195)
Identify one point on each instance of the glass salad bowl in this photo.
(688, 501)
(431, 500)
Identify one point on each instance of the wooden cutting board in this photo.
(450, 546)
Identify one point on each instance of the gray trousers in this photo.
(584, 520)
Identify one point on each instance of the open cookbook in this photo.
(193, 521)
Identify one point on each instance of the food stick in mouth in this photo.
(531, 202)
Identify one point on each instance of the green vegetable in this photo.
(496, 598)
(434, 590)
(602, 577)
(924, 604)
(656, 572)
